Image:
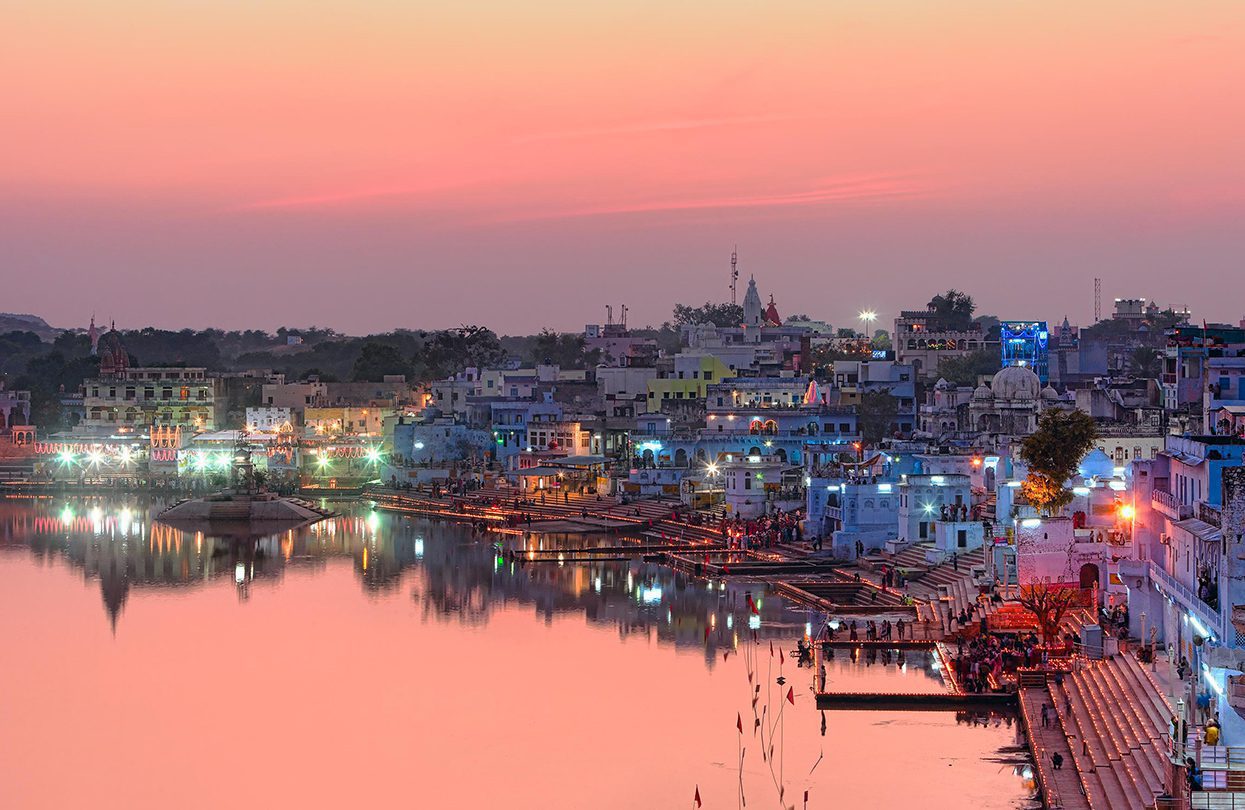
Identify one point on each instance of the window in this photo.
(923, 529)
(961, 538)
(747, 480)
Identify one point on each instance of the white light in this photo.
(239, 573)
(651, 595)
(1082, 491)
(754, 622)
(1118, 486)
(419, 548)
(1201, 628)
(937, 479)
(1013, 484)
(1030, 523)
(885, 488)
(420, 446)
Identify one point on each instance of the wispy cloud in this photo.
(330, 198)
(841, 190)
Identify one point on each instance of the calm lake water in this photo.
(382, 661)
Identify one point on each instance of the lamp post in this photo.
(867, 317)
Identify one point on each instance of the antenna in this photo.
(609, 315)
(734, 271)
(624, 317)
(1097, 300)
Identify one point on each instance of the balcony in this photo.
(1209, 514)
(1165, 503)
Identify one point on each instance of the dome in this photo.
(1097, 464)
(942, 384)
(982, 392)
(1016, 382)
(1049, 393)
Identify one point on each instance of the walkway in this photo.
(1060, 788)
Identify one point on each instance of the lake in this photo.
(374, 660)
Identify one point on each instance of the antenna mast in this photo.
(1097, 300)
(734, 272)
(624, 317)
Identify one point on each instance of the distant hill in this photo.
(10, 322)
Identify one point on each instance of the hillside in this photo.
(11, 322)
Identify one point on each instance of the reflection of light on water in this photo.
(754, 622)
(596, 584)
(808, 629)
(651, 595)
(730, 621)
(419, 548)
(239, 573)
(66, 515)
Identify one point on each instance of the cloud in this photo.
(842, 190)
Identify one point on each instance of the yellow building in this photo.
(688, 381)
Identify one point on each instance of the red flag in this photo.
(698, 796)
(791, 694)
(739, 722)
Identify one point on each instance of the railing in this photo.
(1166, 503)
(1209, 514)
(1188, 598)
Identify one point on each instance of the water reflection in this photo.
(459, 679)
(465, 577)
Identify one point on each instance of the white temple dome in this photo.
(982, 392)
(1049, 393)
(1016, 382)
(1097, 464)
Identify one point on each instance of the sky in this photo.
(399, 163)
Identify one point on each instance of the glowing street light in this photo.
(373, 455)
(868, 316)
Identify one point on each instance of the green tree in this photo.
(966, 369)
(376, 360)
(882, 340)
(449, 351)
(876, 416)
(563, 349)
(954, 309)
(1147, 362)
(1053, 452)
(716, 314)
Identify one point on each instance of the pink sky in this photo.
(381, 164)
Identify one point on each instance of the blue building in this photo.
(1024, 343)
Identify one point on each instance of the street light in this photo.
(868, 316)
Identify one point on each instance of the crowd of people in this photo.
(762, 532)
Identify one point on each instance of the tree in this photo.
(1053, 452)
(449, 351)
(716, 314)
(882, 340)
(566, 350)
(876, 415)
(1049, 604)
(966, 369)
(954, 309)
(376, 360)
(1147, 362)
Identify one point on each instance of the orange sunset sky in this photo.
(370, 165)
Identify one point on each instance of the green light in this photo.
(66, 457)
(323, 461)
(373, 455)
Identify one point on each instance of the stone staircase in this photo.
(1117, 729)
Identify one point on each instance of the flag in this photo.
(791, 694)
(739, 722)
(697, 797)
